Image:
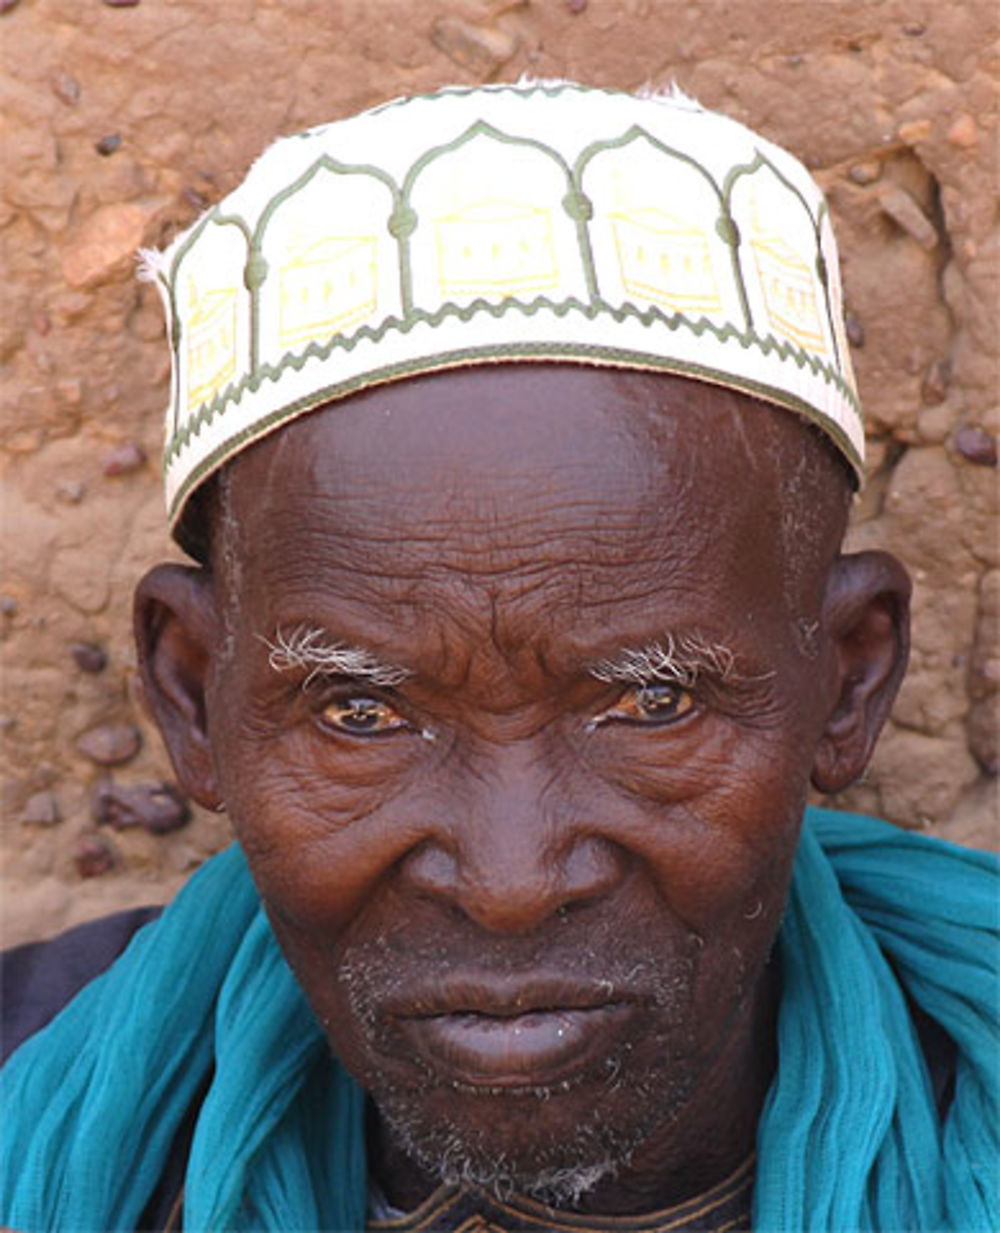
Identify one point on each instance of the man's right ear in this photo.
(176, 628)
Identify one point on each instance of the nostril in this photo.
(592, 868)
(432, 869)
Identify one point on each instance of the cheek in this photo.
(315, 822)
(714, 810)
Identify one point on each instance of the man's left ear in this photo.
(867, 618)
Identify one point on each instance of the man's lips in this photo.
(514, 1035)
(530, 1050)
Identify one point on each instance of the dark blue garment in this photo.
(39, 978)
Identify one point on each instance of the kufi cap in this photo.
(538, 221)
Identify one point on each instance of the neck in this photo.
(684, 1156)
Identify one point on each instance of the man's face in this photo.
(527, 853)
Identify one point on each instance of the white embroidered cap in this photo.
(533, 221)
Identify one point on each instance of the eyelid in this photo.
(328, 683)
(321, 689)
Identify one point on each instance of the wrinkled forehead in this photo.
(474, 462)
(535, 517)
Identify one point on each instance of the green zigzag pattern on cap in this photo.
(651, 316)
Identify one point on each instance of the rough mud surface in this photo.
(123, 120)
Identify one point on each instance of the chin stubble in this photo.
(557, 1169)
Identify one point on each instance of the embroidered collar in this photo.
(452, 1209)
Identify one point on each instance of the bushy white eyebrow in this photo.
(309, 646)
(679, 661)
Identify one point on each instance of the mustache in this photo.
(404, 975)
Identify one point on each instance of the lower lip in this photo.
(530, 1050)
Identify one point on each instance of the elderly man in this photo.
(514, 433)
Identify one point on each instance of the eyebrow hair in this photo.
(310, 646)
(680, 661)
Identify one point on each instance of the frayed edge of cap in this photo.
(671, 95)
(150, 265)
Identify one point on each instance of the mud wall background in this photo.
(123, 119)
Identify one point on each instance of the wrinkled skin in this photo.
(520, 829)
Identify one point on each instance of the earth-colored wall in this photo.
(123, 119)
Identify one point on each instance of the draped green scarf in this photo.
(849, 1138)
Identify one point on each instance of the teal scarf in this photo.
(849, 1138)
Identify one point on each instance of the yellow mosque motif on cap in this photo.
(788, 285)
(326, 286)
(666, 260)
(495, 247)
(211, 342)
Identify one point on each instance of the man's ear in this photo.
(867, 617)
(176, 629)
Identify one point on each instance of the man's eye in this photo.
(361, 716)
(660, 703)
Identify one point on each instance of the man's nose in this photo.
(516, 849)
